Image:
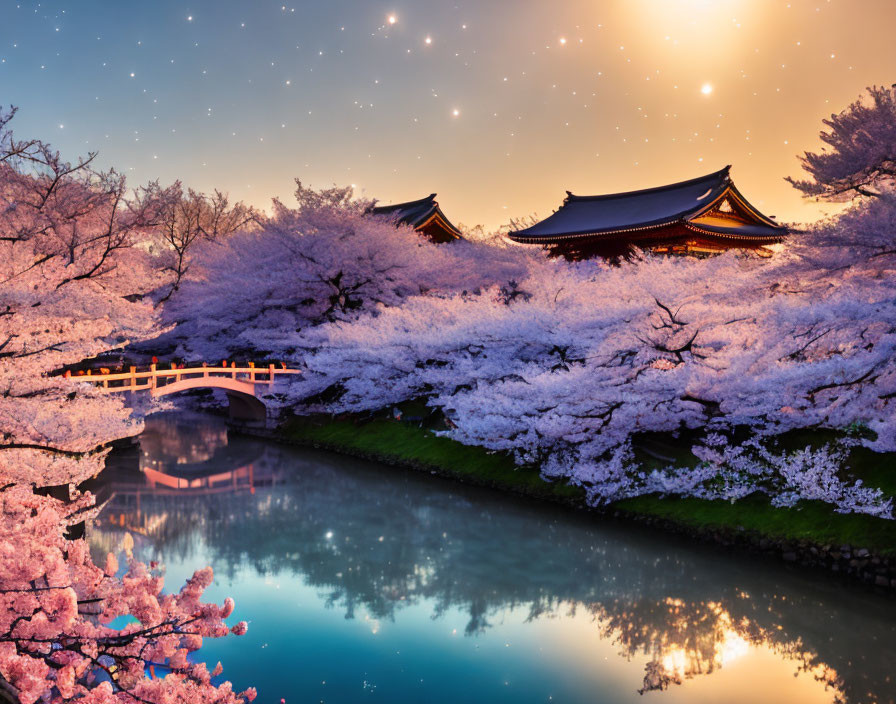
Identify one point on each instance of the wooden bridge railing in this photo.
(155, 378)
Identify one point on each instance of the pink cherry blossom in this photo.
(72, 283)
(240, 628)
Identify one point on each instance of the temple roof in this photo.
(417, 214)
(685, 202)
(739, 229)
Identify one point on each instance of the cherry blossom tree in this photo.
(574, 374)
(861, 156)
(72, 285)
(860, 243)
(190, 218)
(57, 641)
(326, 260)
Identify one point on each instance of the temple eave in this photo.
(554, 239)
(765, 239)
(646, 231)
(438, 227)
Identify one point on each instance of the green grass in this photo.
(812, 521)
(404, 442)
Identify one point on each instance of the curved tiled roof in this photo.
(415, 213)
(589, 216)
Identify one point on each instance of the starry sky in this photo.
(499, 106)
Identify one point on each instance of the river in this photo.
(362, 582)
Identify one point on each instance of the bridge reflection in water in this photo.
(355, 575)
(167, 466)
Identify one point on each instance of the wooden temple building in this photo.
(424, 215)
(703, 216)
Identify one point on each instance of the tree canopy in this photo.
(860, 157)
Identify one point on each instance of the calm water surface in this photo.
(365, 583)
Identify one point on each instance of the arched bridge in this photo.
(243, 384)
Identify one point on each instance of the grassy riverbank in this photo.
(407, 444)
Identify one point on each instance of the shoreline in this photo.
(845, 563)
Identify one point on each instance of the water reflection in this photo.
(377, 544)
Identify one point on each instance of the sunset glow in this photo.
(614, 110)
